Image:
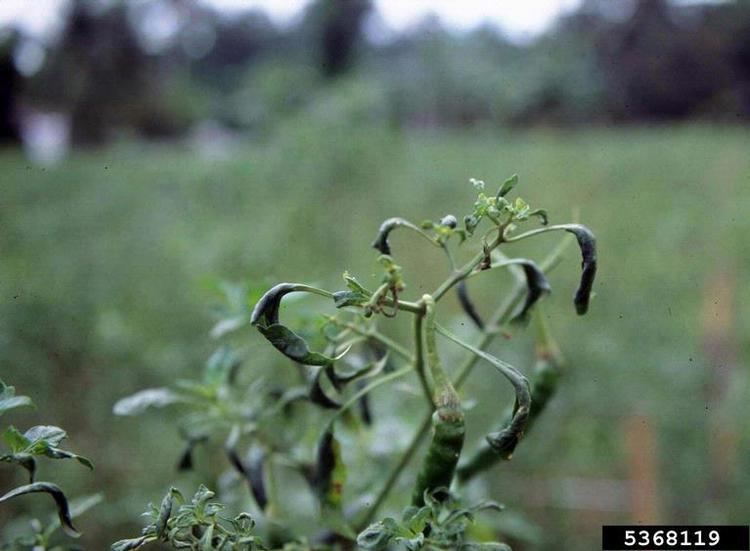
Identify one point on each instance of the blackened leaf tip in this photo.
(267, 308)
(467, 304)
(381, 240)
(587, 244)
(537, 286)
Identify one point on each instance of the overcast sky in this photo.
(518, 18)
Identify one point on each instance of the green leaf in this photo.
(143, 399)
(46, 433)
(354, 285)
(356, 295)
(63, 508)
(9, 400)
(508, 186)
(16, 441)
(57, 453)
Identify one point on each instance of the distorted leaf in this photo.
(541, 214)
(587, 243)
(330, 471)
(467, 305)
(316, 392)
(63, 508)
(381, 240)
(537, 285)
(15, 440)
(185, 462)
(252, 471)
(266, 318)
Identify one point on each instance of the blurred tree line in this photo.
(154, 68)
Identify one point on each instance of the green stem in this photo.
(300, 287)
(419, 357)
(444, 390)
(531, 233)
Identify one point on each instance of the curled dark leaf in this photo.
(381, 240)
(365, 411)
(63, 509)
(537, 286)
(25, 460)
(252, 471)
(542, 214)
(330, 472)
(255, 477)
(185, 462)
(587, 243)
(467, 305)
(316, 393)
(266, 318)
(504, 441)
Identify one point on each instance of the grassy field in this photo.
(110, 264)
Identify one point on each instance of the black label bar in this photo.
(676, 538)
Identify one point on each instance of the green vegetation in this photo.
(110, 264)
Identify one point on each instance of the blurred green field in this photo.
(109, 265)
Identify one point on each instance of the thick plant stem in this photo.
(419, 357)
(439, 464)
